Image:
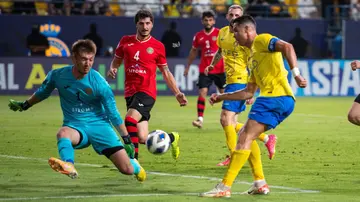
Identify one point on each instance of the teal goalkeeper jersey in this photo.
(87, 100)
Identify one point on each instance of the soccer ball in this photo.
(158, 142)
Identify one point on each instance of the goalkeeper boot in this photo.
(262, 190)
(197, 123)
(141, 176)
(270, 145)
(175, 149)
(219, 191)
(63, 167)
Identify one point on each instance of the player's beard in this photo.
(144, 36)
(208, 29)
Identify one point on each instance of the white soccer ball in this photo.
(158, 142)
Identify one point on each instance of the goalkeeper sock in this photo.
(131, 127)
(231, 137)
(238, 160)
(200, 106)
(136, 166)
(66, 150)
(255, 162)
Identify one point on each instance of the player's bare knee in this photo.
(354, 118)
(63, 133)
(225, 120)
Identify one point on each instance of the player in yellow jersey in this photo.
(275, 103)
(235, 59)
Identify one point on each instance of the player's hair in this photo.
(83, 45)
(208, 14)
(143, 13)
(245, 19)
(235, 6)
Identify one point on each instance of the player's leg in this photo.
(68, 138)
(230, 109)
(354, 113)
(204, 83)
(105, 141)
(248, 134)
(143, 131)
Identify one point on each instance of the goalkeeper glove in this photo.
(19, 106)
(129, 146)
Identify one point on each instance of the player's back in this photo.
(207, 43)
(235, 57)
(141, 59)
(80, 99)
(267, 68)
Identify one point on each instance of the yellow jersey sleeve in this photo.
(267, 68)
(235, 57)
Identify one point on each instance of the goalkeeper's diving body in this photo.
(89, 109)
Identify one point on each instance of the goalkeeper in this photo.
(89, 109)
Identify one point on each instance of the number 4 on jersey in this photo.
(136, 56)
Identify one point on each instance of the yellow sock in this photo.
(262, 137)
(238, 159)
(231, 137)
(238, 127)
(255, 162)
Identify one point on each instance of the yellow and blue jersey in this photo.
(235, 57)
(267, 68)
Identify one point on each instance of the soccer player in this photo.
(235, 59)
(89, 109)
(206, 41)
(275, 103)
(142, 54)
(354, 113)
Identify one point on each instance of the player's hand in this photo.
(214, 98)
(180, 97)
(129, 146)
(300, 81)
(186, 71)
(112, 73)
(355, 65)
(16, 105)
(250, 101)
(208, 69)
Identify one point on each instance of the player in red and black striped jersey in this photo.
(142, 54)
(206, 41)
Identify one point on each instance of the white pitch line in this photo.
(320, 116)
(297, 190)
(122, 195)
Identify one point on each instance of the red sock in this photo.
(130, 124)
(200, 106)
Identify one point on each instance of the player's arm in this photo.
(117, 60)
(288, 52)
(244, 94)
(355, 65)
(108, 101)
(217, 57)
(170, 81)
(191, 58)
(41, 94)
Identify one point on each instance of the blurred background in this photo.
(323, 32)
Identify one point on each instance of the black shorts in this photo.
(206, 81)
(357, 99)
(142, 102)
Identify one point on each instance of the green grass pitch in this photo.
(317, 159)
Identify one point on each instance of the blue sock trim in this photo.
(136, 166)
(66, 150)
